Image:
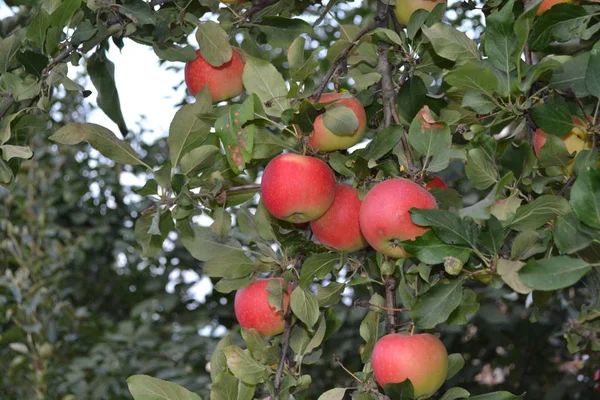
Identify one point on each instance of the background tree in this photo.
(507, 277)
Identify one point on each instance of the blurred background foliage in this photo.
(86, 311)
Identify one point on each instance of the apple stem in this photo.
(412, 330)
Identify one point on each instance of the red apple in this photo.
(322, 139)
(406, 8)
(384, 216)
(421, 358)
(252, 308)
(297, 188)
(548, 4)
(436, 182)
(224, 82)
(339, 227)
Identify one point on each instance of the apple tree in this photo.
(407, 158)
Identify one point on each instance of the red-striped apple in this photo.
(224, 82)
(436, 182)
(252, 308)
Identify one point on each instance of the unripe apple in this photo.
(339, 227)
(224, 82)
(406, 8)
(252, 308)
(297, 188)
(548, 4)
(384, 217)
(576, 140)
(422, 358)
(322, 139)
(436, 182)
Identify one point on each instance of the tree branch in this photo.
(341, 62)
(390, 302)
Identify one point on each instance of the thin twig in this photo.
(340, 62)
(243, 188)
(366, 304)
(390, 302)
(338, 361)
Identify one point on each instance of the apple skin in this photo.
(384, 216)
(575, 141)
(252, 308)
(436, 182)
(297, 188)
(339, 227)
(406, 8)
(548, 4)
(322, 139)
(422, 358)
(224, 82)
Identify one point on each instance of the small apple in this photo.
(224, 82)
(339, 227)
(322, 139)
(576, 140)
(548, 4)
(422, 358)
(252, 308)
(297, 188)
(436, 182)
(384, 216)
(406, 8)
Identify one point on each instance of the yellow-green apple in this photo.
(224, 82)
(436, 182)
(339, 227)
(576, 140)
(322, 139)
(297, 188)
(548, 4)
(384, 217)
(422, 358)
(252, 308)
(406, 8)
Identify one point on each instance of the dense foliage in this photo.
(96, 276)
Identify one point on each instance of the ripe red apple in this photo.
(224, 82)
(297, 188)
(576, 140)
(436, 182)
(322, 139)
(421, 358)
(252, 308)
(384, 216)
(406, 8)
(339, 227)
(548, 4)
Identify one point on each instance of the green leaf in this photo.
(102, 73)
(586, 159)
(480, 169)
(218, 362)
(174, 53)
(369, 327)
(330, 295)
(455, 393)
(214, 43)
(301, 66)
(383, 143)
(411, 98)
(237, 139)
(36, 32)
(228, 387)
(456, 362)
(554, 153)
(539, 212)
(101, 139)
(450, 43)
(429, 138)
(205, 245)
(232, 265)
(144, 387)
(10, 151)
(450, 228)
(528, 243)
(317, 265)
(497, 396)
(227, 285)
(553, 273)
(435, 306)
(400, 391)
(428, 248)
(562, 23)
(6, 174)
(468, 306)
(340, 120)
(553, 118)
(64, 12)
(139, 12)
(522, 27)
(243, 366)
(473, 77)
(263, 79)
(317, 338)
(333, 394)
(585, 198)
(572, 75)
(281, 32)
(592, 76)
(198, 158)
(500, 38)
(478, 102)
(509, 271)
(569, 234)
(186, 128)
(304, 306)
